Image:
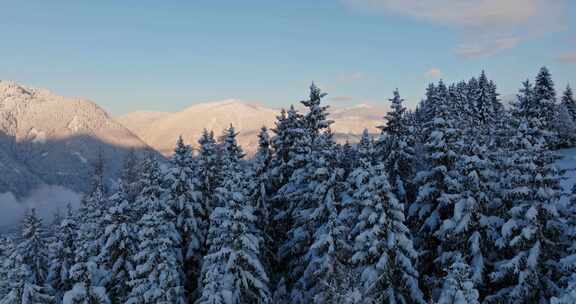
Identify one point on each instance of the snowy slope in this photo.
(52, 139)
(160, 130)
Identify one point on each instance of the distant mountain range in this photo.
(46, 139)
(160, 129)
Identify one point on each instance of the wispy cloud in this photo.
(568, 57)
(433, 73)
(339, 99)
(487, 26)
(476, 50)
(354, 76)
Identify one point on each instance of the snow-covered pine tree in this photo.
(263, 156)
(232, 271)
(471, 93)
(188, 208)
(7, 248)
(62, 254)
(545, 97)
(496, 104)
(485, 112)
(537, 104)
(565, 127)
(347, 157)
(119, 244)
(531, 238)
(232, 152)
(313, 143)
(395, 124)
(288, 132)
(260, 193)
(467, 235)
(326, 271)
(437, 187)
(290, 146)
(425, 111)
(85, 291)
(158, 276)
(207, 169)
(32, 248)
(130, 175)
(316, 119)
(280, 144)
(399, 163)
(568, 260)
(383, 249)
(569, 102)
(524, 105)
(365, 149)
(460, 93)
(90, 216)
(23, 288)
(54, 225)
(355, 183)
(458, 287)
(565, 123)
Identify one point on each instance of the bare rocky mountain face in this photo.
(160, 129)
(50, 139)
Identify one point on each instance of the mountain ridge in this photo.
(161, 129)
(52, 139)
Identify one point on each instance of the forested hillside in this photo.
(457, 201)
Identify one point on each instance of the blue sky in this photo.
(165, 55)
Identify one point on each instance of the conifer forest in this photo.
(458, 200)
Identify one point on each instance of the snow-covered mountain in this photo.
(50, 139)
(160, 129)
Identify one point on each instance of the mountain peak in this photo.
(160, 130)
(57, 137)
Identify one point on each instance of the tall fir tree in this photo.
(232, 152)
(436, 188)
(208, 167)
(316, 119)
(23, 288)
(383, 249)
(232, 271)
(90, 215)
(325, 269)
(365, 149)
(530, 242)
(188, 210)
(32, 248)
(157, 277)
(119, 244)
(484, 102)
(399, 162)
(467, 234)
(130, 175)
(260, 195)
(545, 97)
(62, 254)
(567, 211)
(290, 151)
(313, 143)
(7, 248)
(569, 102)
